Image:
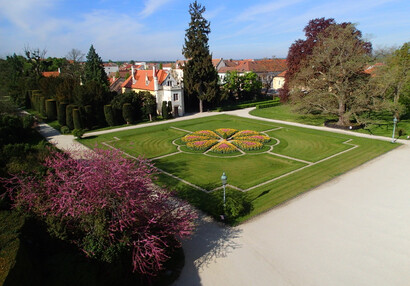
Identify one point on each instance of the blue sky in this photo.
(155, 29)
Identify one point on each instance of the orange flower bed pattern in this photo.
(225, 140)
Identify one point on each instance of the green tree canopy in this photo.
(94, 69)
(200, 76)
(332, 80)
(393, 80)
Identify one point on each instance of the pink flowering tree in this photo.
(108, 206)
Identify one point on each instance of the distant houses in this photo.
(166, 84)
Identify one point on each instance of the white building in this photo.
(159, 83)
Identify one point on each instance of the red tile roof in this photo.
(371, 69)
(51, 74)
(282, 74)
(140, 79)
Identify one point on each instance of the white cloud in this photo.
(25, 13)
(254, 12)
(151, 6)
(213, 13)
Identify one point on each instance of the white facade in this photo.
(278, 82)
(170, 90)
(111, 68)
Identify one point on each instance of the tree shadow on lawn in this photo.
(212, 240)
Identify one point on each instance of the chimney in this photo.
(133, 74)
(59, 70)
(154, 74)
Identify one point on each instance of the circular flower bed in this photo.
(225, 140)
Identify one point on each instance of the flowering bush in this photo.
(107, 205)
(259, 138)
(230, 140)
(201, 145)
(245, 133)
(225, 132)
(207, 133)
(247, 145)
(191, 138)
(224, 147)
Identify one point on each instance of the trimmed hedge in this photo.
(61, 114)
(69, 116)
(77, 119)
(88, 117)
(51, 109)
(128, 113)
(164, 110)
(109, 115)
(266, 105)
(274, 102)
(42, 108)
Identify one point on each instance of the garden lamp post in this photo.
(394, 129)
(224, 179)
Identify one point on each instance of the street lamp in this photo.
(224, 179)
(394, 129)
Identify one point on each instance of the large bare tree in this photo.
(332, 80)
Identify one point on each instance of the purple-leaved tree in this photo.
(108, 206)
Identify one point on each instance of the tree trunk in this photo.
(200, 106)
(150, 117)
(343, 121)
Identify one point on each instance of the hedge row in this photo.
(266, 105)
(247, 105)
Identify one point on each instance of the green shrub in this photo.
(109, 115)
(61, 114)
(237, 204)
(69, 116)
(164, 110)
(65, 130)
(51, 109)
(78, 133)
(42, 108)
(77, 119)
(89, 119)
(128, 113)
(169, 109)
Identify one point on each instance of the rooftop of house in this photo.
(51, 74)
(258, 66)
(372, 68)
(144, 79)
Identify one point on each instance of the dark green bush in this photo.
(65, 130)
(89, 119)
(69, 116)
(109, 115)
(61, 114)
(42, 108)
(78, 133)
(237, 204)
(128, 113)
(164, 110)
(77, 119)
(51, 109)
(169, 109)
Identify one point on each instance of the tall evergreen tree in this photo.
(200, 76)
(94, 69)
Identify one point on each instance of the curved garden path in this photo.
(352, 230)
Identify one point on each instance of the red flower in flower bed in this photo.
(230, 140)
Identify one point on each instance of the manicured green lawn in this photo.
(244, 172)
(248, 170)
(284, 112)
(307, 144)
(382, 126)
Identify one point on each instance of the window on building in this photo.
(175, 96)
